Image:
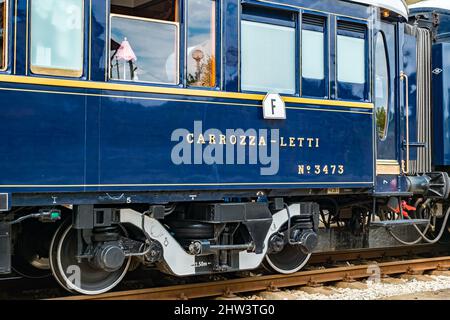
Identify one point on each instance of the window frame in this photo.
(269, 9)
(325, 82)
(177, 42)
(37, 70)
(364, 87)
(5, 53)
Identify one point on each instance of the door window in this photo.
(381, 86)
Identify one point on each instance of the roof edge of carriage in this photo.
(428, 5)
(398, 6)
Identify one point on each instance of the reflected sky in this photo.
(155, 46)
(57, 32)
(200, 36)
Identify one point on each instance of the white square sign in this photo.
(274, 107)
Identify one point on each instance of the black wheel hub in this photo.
(84, 276)
(109, 257)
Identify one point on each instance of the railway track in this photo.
(377, 253)
(274, 282)
(47, 288)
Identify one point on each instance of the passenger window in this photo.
(3, 33)
(381, 86)
(201, 55)
(351, 61)
(57, 37)
(144, 41)
(313, 56)
(268, 53)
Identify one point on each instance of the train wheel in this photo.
(79, 277)
(289, 260)
(31, 245)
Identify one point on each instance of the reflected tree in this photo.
(381, 117)
(205, 73)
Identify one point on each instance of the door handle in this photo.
(404, 77)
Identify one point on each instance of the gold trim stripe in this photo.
(387, 162)
(388, 169)
(231, 104)
(173, 91)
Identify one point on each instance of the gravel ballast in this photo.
(379, 290)
(375, 290)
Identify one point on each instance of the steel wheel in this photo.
(291, 259)
(79, 277)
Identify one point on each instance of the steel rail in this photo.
(271, 282)
(376, 253)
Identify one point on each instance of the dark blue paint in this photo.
(410, 68)
(151, 157)
(92, 138)
(284, 16)
(230, 35)
(441, 105)
(98, 42)
(134, 146)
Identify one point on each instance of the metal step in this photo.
(402, 222)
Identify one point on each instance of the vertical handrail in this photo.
(404, 77)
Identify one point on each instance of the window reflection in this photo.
(267, 57)
(200, 55)
(381, 86)
(144, 50)
(313, 55)
(351, 59)
(57, 37)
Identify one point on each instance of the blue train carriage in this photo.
(205, 136)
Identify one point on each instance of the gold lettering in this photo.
(252, 140)
(223, 139)
(282, 144)
(233, 139)
(333, 169)
(310, 140)
(300, 142)
(242, 140)
(262, 141)
(317, 142)
(301, 169)
(190, 138)
(201, 139)
(317, 169)
(291, 142)
(212, 139)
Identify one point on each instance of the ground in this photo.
(430, 295)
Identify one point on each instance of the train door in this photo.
(386, 104)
